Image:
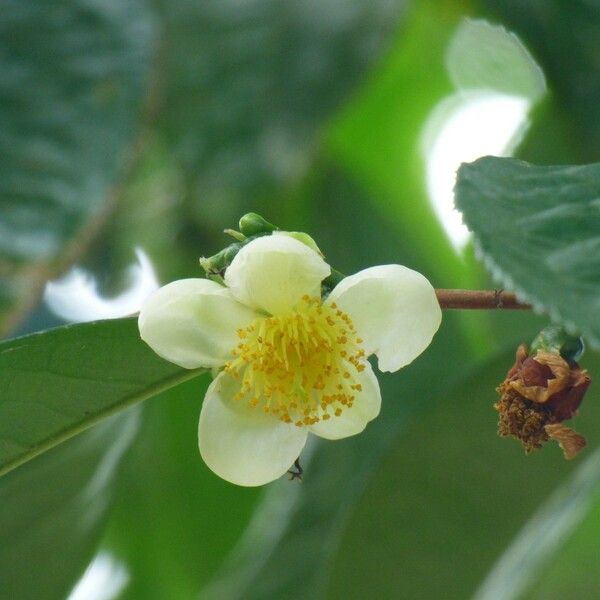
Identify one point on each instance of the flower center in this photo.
(300, 367)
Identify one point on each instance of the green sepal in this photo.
(216, 264)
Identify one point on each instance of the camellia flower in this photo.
(292, 362)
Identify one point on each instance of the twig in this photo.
(479, 299)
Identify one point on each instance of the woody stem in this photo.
(479, 299)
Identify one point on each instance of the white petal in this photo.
(193, 322)
(272, 273)
(241, 444)
(353, 420)
(394, 309)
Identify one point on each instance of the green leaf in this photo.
(56, 383)
(72, 80)
(538, 230)
(54, 509)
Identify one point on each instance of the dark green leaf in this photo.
(54, 509)
(72, 80)
(57, 383)
(538, 230)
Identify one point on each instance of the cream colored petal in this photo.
(193, 322)
(272, 273)
(394, 309)
(353, 420)
(241, 444)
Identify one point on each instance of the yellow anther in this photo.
(295, 366)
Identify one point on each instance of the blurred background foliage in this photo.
(131, 123)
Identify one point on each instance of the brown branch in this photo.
(479, 299)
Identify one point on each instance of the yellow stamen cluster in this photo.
(300, 367)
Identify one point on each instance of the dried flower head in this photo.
(540, 392)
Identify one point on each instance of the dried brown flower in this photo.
(539, 393)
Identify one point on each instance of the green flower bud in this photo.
(253, 224)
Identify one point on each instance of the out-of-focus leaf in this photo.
(451, 495)
(573, 571)
(538, 230)
(72, 80)
(497, 82)
(174, 520)
(527, 563)
(57, 383)
(54, 508)
(248, 85)
(563, 36)
(482, 56)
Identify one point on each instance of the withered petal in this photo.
(570, 441)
